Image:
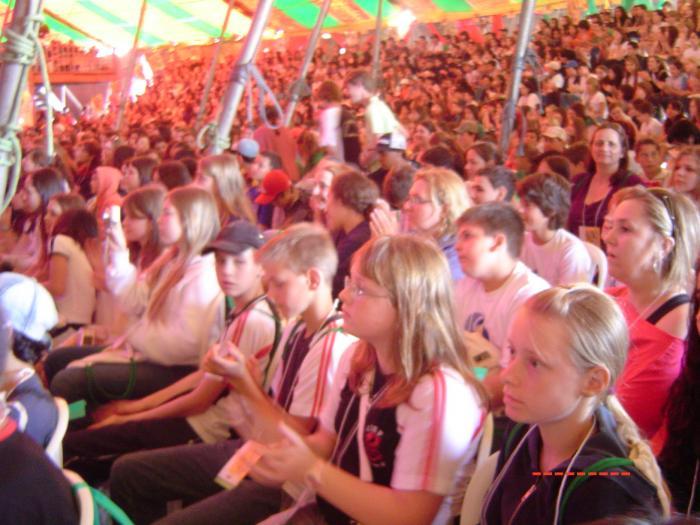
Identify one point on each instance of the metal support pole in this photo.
(526, 17)
(239, 76)
(126, 90)
(308, 57)
(212, 68)
(17, 57)
(376, 52)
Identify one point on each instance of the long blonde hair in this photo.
(447, 190)
(599, 337)
(416, 276)
(199, 219)
(231, 197)
(671, 214)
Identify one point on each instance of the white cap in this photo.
(556, 132)
(27, 306)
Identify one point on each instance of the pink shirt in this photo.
(654, 362)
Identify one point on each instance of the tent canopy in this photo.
(112, 23)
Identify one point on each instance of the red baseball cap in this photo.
(274, 183)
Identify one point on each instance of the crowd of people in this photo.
(315, 325)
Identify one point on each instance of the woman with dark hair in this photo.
(87, 156)
(32, 201)
(69, 273)
(680, 441)
(137, 172)
(172, 174)
(608, 172)
(420, 138)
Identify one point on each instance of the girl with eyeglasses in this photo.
(404, 412)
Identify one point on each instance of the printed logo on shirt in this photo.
(476, 323)
(373, 442)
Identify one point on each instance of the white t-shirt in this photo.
(316, 372)
(652, 130)
(329, 129)
(562, 260)
(77, 303)
(379, 120)
(253, 332)
(492, 312)
(437, 427)
(531, 101)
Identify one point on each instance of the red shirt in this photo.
(654, 362)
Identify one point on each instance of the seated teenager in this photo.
(298, 266)
(137, 172)
(30, 311)
(70, 275)
(291, 203)
(31, 200)
(401, 421)
(552, 252)
(350, 201)
(178, 300)
(489, 241)
(33, 489)
(495, 184)
(566, 348)
(221, 175)
(193, 409)
(652, 240)
(141, 209)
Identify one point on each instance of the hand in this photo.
(289, 460)
(226, 360)
(382, 221)
(115, 408)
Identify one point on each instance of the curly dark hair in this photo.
(682, 447)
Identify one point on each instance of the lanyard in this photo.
(366, 404)
(291, 343)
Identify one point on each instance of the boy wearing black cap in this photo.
(163, 419)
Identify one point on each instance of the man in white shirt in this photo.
(379, 119)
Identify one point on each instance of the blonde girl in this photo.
(221, 175)
(177, 300)
(407, 388)
(435, 201)
(567, 347)
(652, 240)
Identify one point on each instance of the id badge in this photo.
(239, 465)
(590, 234)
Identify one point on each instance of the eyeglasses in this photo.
(415, 200)
(356, 291)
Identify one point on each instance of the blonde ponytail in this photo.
(639, 451)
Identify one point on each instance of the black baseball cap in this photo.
(236, 237)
